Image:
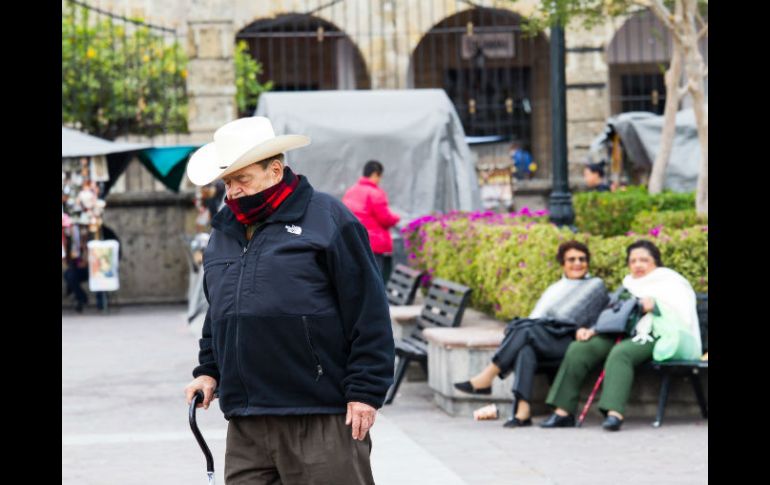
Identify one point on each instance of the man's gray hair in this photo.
(266, 162)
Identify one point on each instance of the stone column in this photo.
(587, 91)
(211, 74)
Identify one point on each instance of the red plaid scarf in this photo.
(252, 209)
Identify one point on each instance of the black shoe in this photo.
(515, 422)
(79, 307)
(468, 387)
(612, 423)
(556, 421)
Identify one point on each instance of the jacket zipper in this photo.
(237, 318)
(319, 370)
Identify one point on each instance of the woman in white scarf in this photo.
(669, 317)
(571, 303)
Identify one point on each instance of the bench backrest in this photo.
(444, 305)
(703, 318)
(402, 285)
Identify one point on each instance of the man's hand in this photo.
(201, 383)
(362, 417)
(583, 334)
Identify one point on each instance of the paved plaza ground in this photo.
(124, 421)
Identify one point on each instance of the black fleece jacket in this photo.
(298, 318)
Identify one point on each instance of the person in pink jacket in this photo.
(370, 204)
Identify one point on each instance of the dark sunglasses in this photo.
(582, 259)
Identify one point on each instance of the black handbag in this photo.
(614, 318)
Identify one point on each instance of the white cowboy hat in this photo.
(237, 144)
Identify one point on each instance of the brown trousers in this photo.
(304, 449)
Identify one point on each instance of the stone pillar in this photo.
(588, 105)
(211, 75)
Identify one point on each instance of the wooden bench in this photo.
(444, 307)
(402, 285)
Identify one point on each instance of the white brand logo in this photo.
(294, 229)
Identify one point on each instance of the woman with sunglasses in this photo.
(571, 303)
(668, 304)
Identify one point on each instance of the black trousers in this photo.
(385, 264)
(521, 350)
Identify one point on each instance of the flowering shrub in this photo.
(510, 259)
(650, 221)
(683, 250)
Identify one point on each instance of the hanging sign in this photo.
(493, 46)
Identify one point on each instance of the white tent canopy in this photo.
(76, 144)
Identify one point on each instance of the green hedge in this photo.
(647, 221)
(509, 263)
(612, 213)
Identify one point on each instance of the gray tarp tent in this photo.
(640, 133)
(416, 134)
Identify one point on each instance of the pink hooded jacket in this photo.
(370, 204)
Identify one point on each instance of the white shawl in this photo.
(668, 287)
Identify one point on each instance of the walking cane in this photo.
(198, 397)
(592, 395)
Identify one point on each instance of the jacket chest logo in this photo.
(294, 229)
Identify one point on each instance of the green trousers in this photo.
(583, 357)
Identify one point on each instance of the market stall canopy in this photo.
(167, 164)
(640, 133)
(77, 144)
(416, 134)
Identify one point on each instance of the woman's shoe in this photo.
(556, 421)
(468, 387)
(612, 423)
(515, 422)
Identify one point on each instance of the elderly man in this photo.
(297, 338)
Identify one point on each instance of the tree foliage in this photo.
(120, 77)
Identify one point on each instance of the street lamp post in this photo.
(560, 202)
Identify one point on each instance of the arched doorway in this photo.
(300, 52)
(496, 77)
(638, 56)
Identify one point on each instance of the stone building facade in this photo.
(384, 44)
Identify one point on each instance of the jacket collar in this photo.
(292, 209)
(366, 181)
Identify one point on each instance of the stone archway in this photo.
(638, 56)
(301, 52)
(496, 77)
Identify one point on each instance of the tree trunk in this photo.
(673, 75)
(696, 71)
